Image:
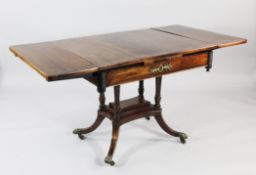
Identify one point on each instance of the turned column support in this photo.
(101, 88)
(141, 93)
(116, 117)
(158, 93)
(120, 114)
(141, 90)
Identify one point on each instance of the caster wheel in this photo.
(183, 138)
(109, 161)
(82, 137)
(78, 132)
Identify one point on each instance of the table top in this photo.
(77, 57)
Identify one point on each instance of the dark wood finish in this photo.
(128, 110)
(141, 93)
(115, 134)
(169, 130)
(209, 62)
(131, 109)
(101, 82)
(78, 57)
(159, 117)
(157, 94)
(114, 59)
(141, 90)
(202, 35)
(116, 117)
(94, 126)
(115, 126)
(101, 87)
(143, 71)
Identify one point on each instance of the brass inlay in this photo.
(161, 68)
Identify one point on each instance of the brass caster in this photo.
(147, 118)
(81, 136)
(183, 138)
(78, 132)
(109, 161)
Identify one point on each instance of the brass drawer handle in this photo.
(161, 68)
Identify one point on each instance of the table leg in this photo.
(115, 133)
(127, 113)
(101, 89)
(141, 90)
(169, 130)
(97, 122)
(141, 93)
(159, 117)
(115, 126)
(209, 62)
(94, 126)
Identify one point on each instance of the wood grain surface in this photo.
(77, 57)
(203, 35)
(143, 71)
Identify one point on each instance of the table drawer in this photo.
(158, 67)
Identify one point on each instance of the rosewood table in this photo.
(118, 58)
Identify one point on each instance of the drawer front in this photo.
(156, 68)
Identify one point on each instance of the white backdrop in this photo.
(216, 109)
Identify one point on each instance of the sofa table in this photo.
(118, 58)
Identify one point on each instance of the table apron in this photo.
(161, 66)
